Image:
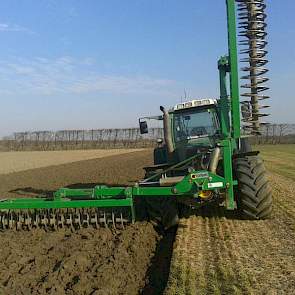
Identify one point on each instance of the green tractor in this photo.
(205, 155)
(196, 140)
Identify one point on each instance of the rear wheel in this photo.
(253, 194)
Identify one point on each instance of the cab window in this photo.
(194, 124)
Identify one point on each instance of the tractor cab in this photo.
(190, 128)
(194, 127)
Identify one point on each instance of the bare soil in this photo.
(115, 170)
(84, 262)
(87, 261)
(20, 161)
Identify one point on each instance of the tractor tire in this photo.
(253, 194)
(163, 211)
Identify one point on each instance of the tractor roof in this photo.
(195, 103)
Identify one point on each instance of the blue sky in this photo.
(96, 64)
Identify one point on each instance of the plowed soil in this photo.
(115, 170)
(20, 161)
(87, 261)
(215, 253)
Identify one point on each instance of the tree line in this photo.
(81, 139)
(120, 138)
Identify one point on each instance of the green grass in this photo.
(279, 158)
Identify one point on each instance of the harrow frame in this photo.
(102, 196)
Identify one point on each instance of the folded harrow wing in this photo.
(205, 155)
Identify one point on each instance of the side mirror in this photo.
(143, 127)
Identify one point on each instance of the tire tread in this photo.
(253, 194)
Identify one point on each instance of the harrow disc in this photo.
(55, 219)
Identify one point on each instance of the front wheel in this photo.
(253, 194)
(162, 210)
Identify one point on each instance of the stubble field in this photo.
(212, 253)
(216, 253)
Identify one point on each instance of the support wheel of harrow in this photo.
(163, 211)
(253, 194)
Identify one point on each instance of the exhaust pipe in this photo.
(167, 131)
(214, 159)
